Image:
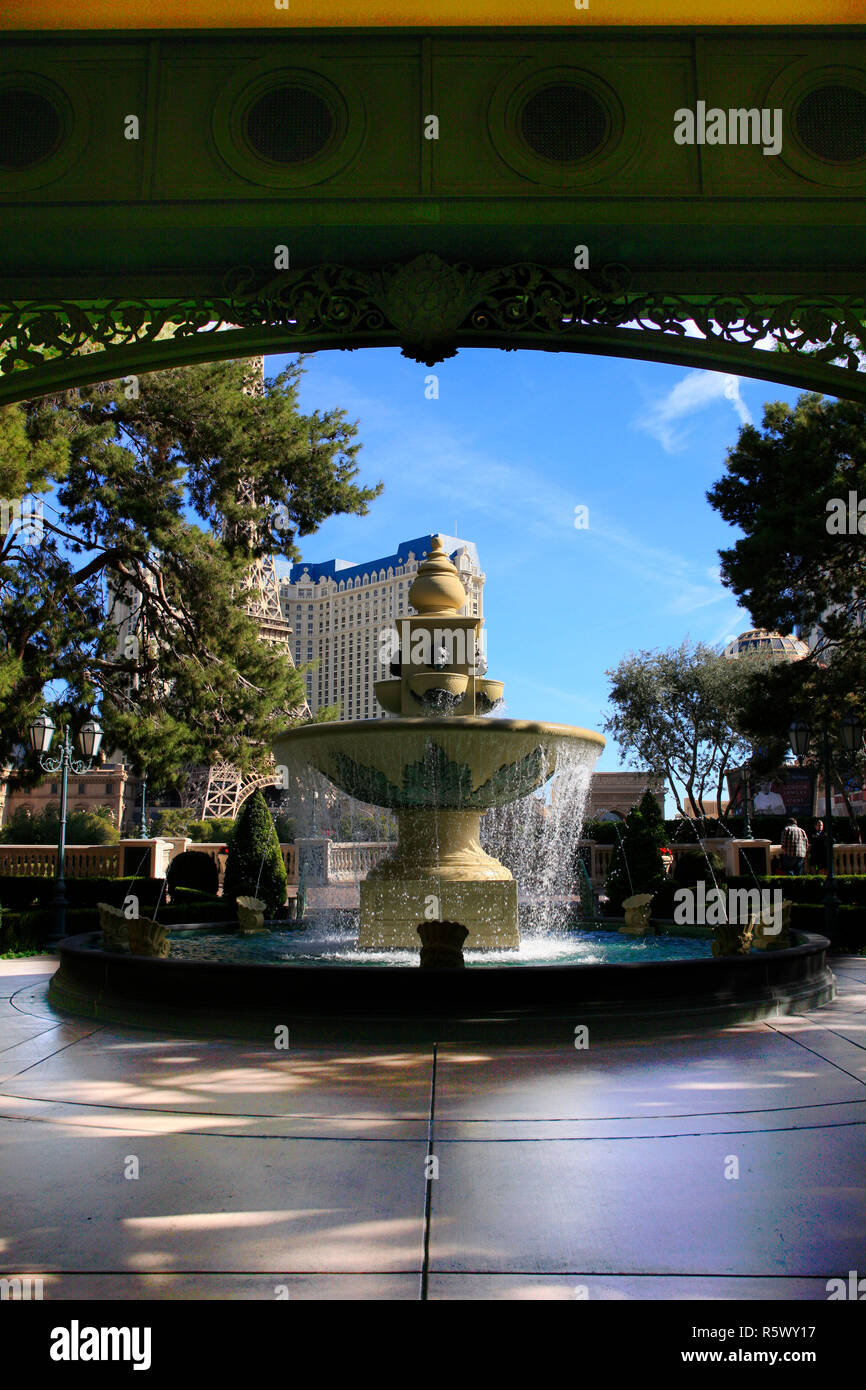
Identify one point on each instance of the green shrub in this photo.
(809, 888)
(692, 868)
(82, 828)
(255, 864)
(193, 869)
(20, 892)
(636, 864)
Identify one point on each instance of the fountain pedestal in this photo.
(438, 870)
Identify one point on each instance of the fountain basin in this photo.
(439, 775)
(460, 764)
(495, 1003)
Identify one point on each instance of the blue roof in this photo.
(347, 569)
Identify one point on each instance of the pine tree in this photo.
(144, 505)
(255, 866)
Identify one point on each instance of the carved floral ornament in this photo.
(430, 308)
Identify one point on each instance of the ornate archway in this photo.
(433, 188)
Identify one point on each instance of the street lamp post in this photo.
(142, 825)
(41, 732)
(852, 736)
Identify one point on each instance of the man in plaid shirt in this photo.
(794, 847)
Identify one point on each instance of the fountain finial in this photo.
(437, 587)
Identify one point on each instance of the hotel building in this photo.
(339, 609)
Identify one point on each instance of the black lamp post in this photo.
(852, 736)
(41, 733)
(142, 825)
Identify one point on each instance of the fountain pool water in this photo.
(330, 947)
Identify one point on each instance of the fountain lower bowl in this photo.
(502, 1004)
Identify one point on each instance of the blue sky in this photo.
(514, 443)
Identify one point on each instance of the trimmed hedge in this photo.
(20, 892)
(29, 930)
(809, 888)
(193, 869)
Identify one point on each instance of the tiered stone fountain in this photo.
(439, 763)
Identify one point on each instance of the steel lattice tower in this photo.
(222, 788)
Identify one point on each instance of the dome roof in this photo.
(759, 639)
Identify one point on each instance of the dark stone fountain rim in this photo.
(505, 1004)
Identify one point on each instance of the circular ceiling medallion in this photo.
(31, 127)
(824, 126)
(564, 122)
(830, 122)
(287, 127)
(43, 128)
(289, 124)
(559, 126)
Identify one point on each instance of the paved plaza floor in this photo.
(719, 1165)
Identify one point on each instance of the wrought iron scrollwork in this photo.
(430, 307)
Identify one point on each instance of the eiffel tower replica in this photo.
(221, 789)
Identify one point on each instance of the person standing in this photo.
(818, 847)
(794, 847)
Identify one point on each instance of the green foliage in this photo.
(82, 828)
(679, 712)
(255, 866)
(793, 567)
(366, 825)
(18, 892)
(636, 864)
(177, 821)
(286, 828)
(698, 866)
(149, 505)
(193, 869)
(809, 888)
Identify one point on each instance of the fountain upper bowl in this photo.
(462, 763)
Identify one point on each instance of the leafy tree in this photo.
(799, 564)
(147, 515)
(636, 865)
(82, 827)
(678, 712)
(255, 866)
(793, 567)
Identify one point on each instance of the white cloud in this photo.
(696, 392)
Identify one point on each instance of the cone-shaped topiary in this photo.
(255, 865)
(636, 864)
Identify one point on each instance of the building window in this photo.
(82, 791)
(109, 788)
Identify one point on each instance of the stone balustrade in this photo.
(343, 861)
(352, 861)
(123, 859)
